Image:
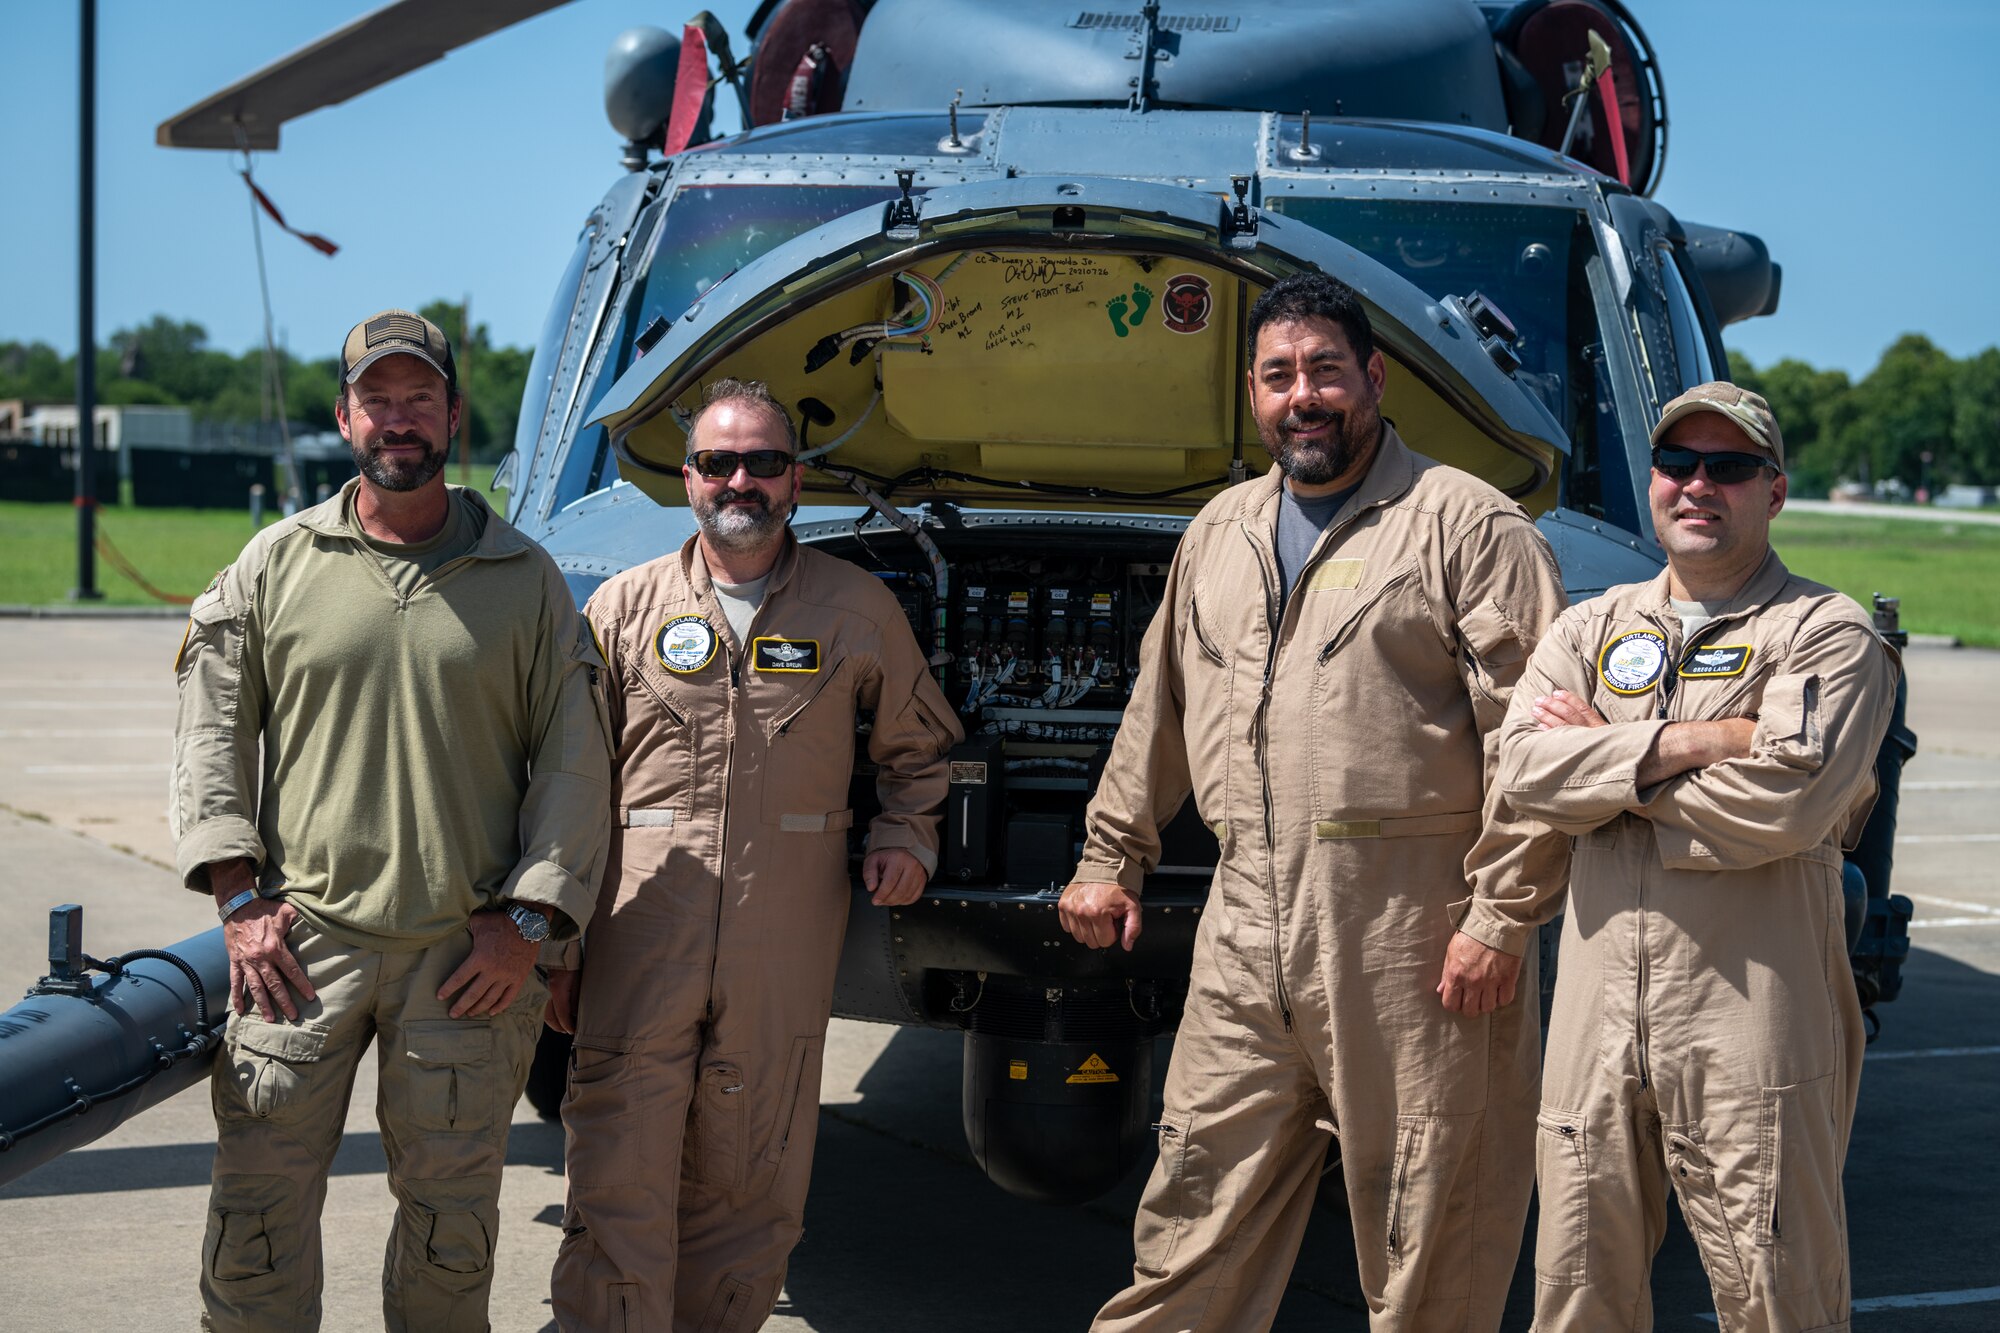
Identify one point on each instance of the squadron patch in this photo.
(685, 644)
(1631, 663)
(775, 654)
(1187, 303)
(1716, 660)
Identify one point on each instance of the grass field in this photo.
(1948, 574)
(176, 550)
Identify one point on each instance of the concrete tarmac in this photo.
(902, 1232)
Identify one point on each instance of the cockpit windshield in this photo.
(1529, 261)
(708, 233)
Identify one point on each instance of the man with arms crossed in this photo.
(1709, 738)
(738, 666)
(431, 803)
(1336, 642)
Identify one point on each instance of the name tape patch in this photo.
(771, 653)
(1632, 662)
(685, 644)
(1716, 660)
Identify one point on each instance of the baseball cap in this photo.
(1746, 410)
(397, 331)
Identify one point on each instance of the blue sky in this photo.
(1855, 138)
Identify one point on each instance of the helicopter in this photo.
(998, 260)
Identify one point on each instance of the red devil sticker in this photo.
(1187, 303)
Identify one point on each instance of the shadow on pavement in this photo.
(178, 1165)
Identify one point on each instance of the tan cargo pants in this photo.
(447, 1093)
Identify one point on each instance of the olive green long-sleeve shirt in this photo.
(423, 754)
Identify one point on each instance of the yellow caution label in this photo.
(1093, 1070)
(1017, 1069)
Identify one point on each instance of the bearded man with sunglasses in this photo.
(739, 666)
(1708, 739)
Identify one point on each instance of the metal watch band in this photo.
(229, 908)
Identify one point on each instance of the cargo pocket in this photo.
(237, 1246)
(273, 1062)
(1799, 1212)
(458, 1243)
(729, 1311)
(798, 1113)
(717, 1127)
(451, 1089)
(1430, 1150)
(603, 1115)
(1693, 1174)
(1788, 722)
(1177, 1200)
(1562, 1178)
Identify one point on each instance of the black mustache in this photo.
(727, 496)
(401, 438)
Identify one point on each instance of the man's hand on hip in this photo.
(491, 975)
(1477, 977)
(1100, 915)
(262, 968)
(894, 876)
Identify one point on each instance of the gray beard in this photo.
(1316, 465)
(732, 528)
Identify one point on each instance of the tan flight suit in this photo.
(1706, 1032)
(1338, 749)
(708, 970)
(392, 761)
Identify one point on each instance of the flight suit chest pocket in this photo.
(810, 754)
(451, 1075)
(1391, 612)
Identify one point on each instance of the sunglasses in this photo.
(721, 464)
(1724, 469)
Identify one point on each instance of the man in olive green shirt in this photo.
(391, 771)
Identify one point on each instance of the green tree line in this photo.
(168, 361)
(1919, 399)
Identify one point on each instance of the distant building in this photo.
(140, 426)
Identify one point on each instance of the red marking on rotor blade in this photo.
(317, 242)
(690, 89)
(1614, 121)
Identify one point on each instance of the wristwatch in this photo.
(534, 927)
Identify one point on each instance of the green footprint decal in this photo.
(1142, 301)
(1115, 308)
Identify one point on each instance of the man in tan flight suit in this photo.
(432, 803)
(739, 664)
(1709, 738)
(1336, 642)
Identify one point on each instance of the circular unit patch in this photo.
(1631, 663)
(685, 644)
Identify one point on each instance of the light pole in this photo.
(86, 589)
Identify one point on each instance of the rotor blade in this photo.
(372, 50)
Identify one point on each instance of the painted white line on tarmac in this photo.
(1915, 1301)
(1914, 839)
(86, 682)
(1958, 921)
(41, 769)
(1922, 1299)
(1954, 784)
(1936, 1052)
(1960, 904)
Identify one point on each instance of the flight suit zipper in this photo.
(1644, 971)
(722, 825)
(826, 679)
(1272, 620)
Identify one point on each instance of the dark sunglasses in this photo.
(721, 464)
(1724, 469)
